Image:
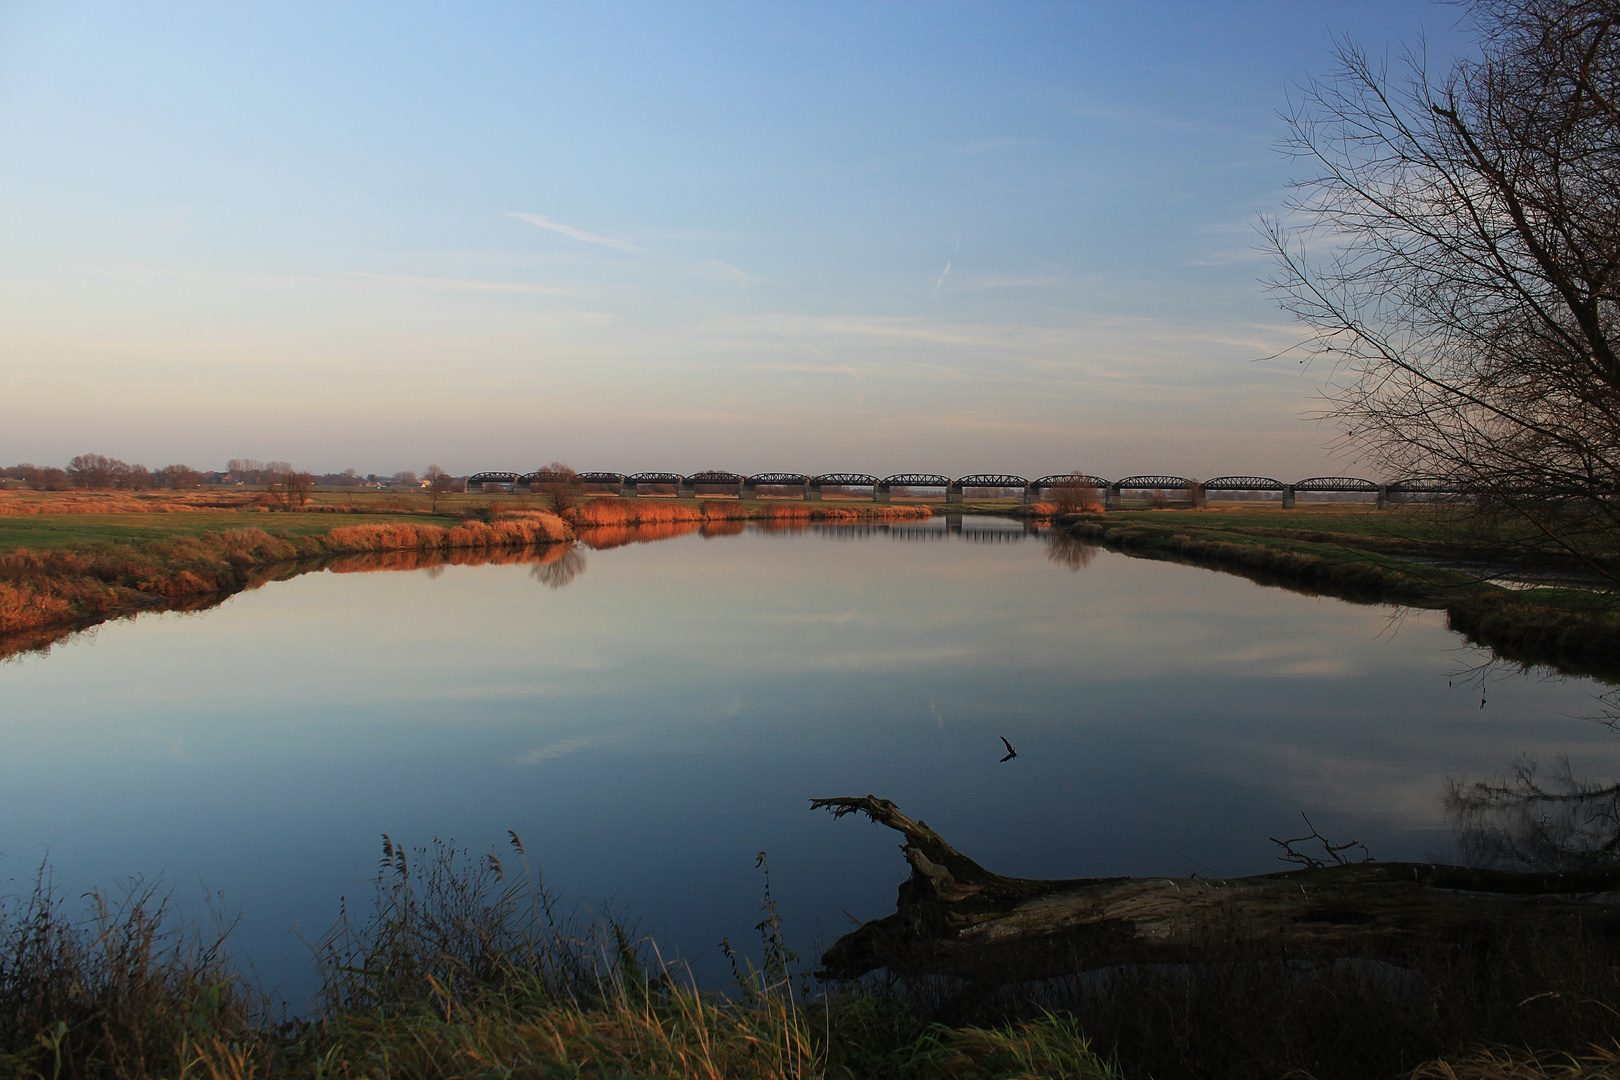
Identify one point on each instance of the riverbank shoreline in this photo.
(1573, 629)
(70, 562)
(107, 568)
(468, 966)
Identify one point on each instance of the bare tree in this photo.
(559, 483)
(97, 471)
(439, 484)
(288, 488)
(1076, 494)
(1456, 256)
(176, 476)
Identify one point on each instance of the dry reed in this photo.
(13, 503)
(56, 588)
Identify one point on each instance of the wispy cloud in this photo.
(725, 271)
(464, 285)
(579, 234)
(1011, 281)
(564, 747)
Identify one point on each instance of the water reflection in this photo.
(608, 537)
(558, 566)
(1069, 551)
(1556, 822)
(655, 724)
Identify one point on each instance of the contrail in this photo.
(943, 273)
(578, 234)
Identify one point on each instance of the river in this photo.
(651, 716)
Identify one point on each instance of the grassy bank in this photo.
(71, 560)
(465, 967)
(1415, 558)
(64, 571)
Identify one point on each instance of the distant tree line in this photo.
(99, 472)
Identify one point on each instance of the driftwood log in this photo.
(953, 917)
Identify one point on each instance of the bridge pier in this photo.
(1111, 497)
(748, 490)
(953, 494)
(1383, 496)
(683, 490)
(630, 490)
(881, 493)
(1030, 494)
(1288, 496)
(812, 492)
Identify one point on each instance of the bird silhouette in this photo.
(1011, 753)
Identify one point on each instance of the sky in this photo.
(943, 237)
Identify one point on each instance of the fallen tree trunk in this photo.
(953, 917)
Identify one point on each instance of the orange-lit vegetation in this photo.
(67, 588)
(604, 537)
(122, 502)
(46, 594)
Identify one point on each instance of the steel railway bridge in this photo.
(1112, 492)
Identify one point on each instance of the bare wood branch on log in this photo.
(954, 917)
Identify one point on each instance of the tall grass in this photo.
(41, 589)
(464, 965)
(121, 991)
(14, 503)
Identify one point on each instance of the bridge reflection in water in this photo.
(558, 565)
(1153, 488)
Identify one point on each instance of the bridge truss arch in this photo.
(715, 476)
(654, 478)
(1149, 482)
(779, 479)
(1243, 483)
(601, 478)
(1425, 485)
(542, 476)
(992, 480)
(493, 477)
(1337, 484)
(917, 479)
(845, 479)
(1068, 480)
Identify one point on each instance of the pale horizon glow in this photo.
(947, 238)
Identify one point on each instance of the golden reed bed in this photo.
(45, 595)
(123, 502)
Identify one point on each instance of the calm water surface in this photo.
(653, 723)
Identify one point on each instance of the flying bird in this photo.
(1011, 753)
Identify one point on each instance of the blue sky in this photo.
(952, 237)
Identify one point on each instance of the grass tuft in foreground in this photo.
(467, 966)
